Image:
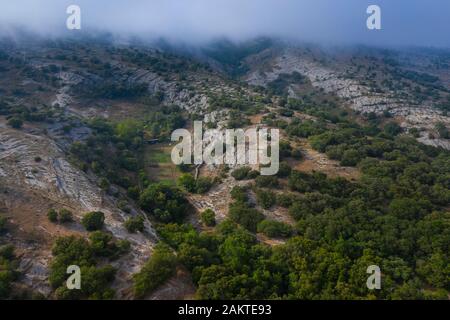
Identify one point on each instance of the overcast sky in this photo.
(404, 22)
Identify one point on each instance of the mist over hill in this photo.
(87, 176)
(404, 22)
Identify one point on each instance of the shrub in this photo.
(123, 246)
(7, 251)
(208, 218)
(351, 158)
(68, 251)
(187, 181)
(239, 194)
(284, 200)
(102, 244)
(93, 220)
(284, 170)
(135, 224)
(52, 215)
(252, 174)
(241, 173)
(392, 129)
(274, 228)
(133, 192)
(78, 251)
(65, 216)
(297, 154)
(7, 270)
(203, 184)
(266, 181)
(15, 123)
(247, 217)
(155, 272)
(165, 203)
(266, 199)
(3, 221)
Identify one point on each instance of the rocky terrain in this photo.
(359, 97)
(36, 177)
(63, 82)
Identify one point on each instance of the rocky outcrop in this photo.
(359, 97)
(36, 168)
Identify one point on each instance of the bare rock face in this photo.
(63, 97)
(358, 96)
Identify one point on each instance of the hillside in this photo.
(365, 148)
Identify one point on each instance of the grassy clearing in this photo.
(159, 165)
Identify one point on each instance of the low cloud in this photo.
(404, 22)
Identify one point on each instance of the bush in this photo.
(68, 251)
(297, 154)
(350, 158)
(203, 184)
(52, 215)
(208, 218)
(7, 270)
(3, 221)
(135, 224)
(123, 246)
(133, 192)
(78, 251)
(285, 149)
(392, 129)
(247, 217)
(239, 194)
(266, 199)
(284, 200)
(266, 181)
(284, 170)
(102, 244)
(242, 173)
(65, 216)
(93, 220)
(187, 181)
(274, 228)
(155, 272)
(7, 252)
(165, 203)
(252, 174)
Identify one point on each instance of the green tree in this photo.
(155, 272)
(135, 224)
(93, 220)
(52, 215)
(248, 217)
(65, 215)
(15, 123)
(208, 218)
(266, 199)
(165, 203)
(274, 229)
(187, 181)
